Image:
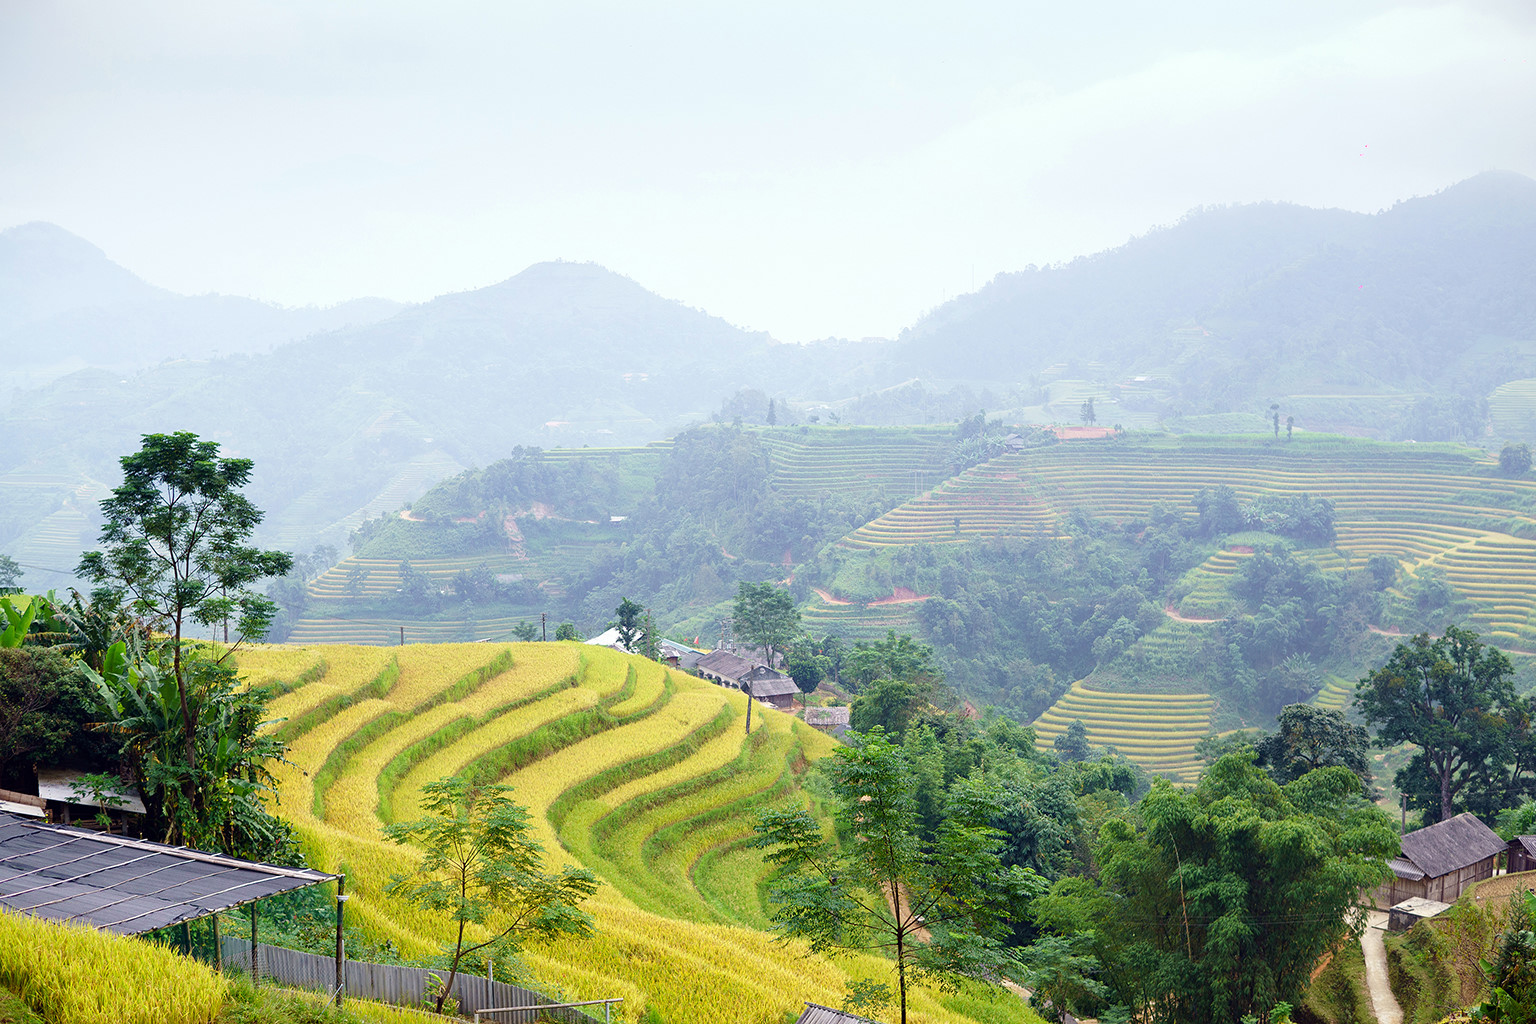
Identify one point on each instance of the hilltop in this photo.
(1413, 323)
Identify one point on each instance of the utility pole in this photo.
(402, 636)
(544, 625)
(747, 689)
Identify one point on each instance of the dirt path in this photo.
(1383, 1003)
(828, 597)
(1169, 611)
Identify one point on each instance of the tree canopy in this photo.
(176, 540)
(1454, 699)
(1310, 738)
(483, 868)
(766, 617)
(940, 908)
(1222, 903)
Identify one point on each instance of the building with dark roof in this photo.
(1522, 854)
(1440, 861)
(818, 1014)
(724, 667)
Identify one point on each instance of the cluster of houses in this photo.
(743, 671)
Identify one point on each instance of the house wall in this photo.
(1444, 888)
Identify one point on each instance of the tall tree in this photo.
(1454, 699)
(766, 617)
(1515, 459)
(631, 624)
(483, 868)
(939, 909)
(1310, 738)
(176, 539)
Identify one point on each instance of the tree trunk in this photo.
(453, 972)
(1445, 793)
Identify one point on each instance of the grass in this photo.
(73, 974)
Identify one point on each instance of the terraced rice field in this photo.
(827, 460)
(1425, 506)
(1337, 694)
(1157, 731)
(1513, 409)
(986, 501)
(639, 772)
(857, 622)
(1203, 590)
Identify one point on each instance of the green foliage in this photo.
(175, 539)
(567, 631)
(765, 617)
(10, 575)
(18, 616)
(1453, 699)
(1310, 738)
(482, 868)
(1226, 899)
(212, 799)
(1072, 745)
(1515, 459)
(1338, 995)
(1512, 973)
(46, 706)
(940, 909)
(631, 624)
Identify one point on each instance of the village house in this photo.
(1522, 854)
(765, 684)
(1440, 861)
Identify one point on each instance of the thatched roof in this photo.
(1450, 845)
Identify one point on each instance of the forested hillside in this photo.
(1243, 574)
(1414, 323)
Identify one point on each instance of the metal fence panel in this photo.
(389, 983)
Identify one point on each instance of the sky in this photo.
(806, 169)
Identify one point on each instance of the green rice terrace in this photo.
(1157, 731)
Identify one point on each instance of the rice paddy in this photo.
(1157, 731)
(641, 773)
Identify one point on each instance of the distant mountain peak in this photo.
(46, 270)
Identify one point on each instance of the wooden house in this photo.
(724, 667)
(1438, 862)
(1522, 854)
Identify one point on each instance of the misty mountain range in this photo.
(1354, 322)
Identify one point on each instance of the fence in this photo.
(405, 986)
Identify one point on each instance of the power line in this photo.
(44, 568)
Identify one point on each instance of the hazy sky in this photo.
(808, 169)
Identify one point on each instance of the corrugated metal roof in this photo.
(126, 885)
(816, 1014)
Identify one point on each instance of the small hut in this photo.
(1522, 854)
(1438, 862)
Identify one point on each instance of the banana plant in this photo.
(18, 619)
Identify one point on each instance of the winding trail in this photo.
(1383, 1003)
(1173, 614)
